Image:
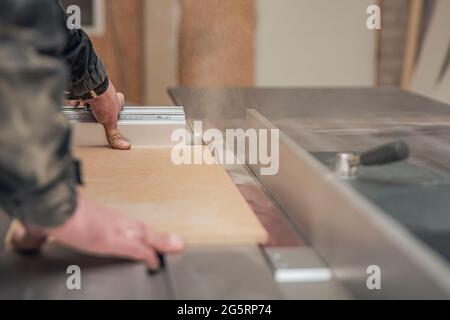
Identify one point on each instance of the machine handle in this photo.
(391, 152)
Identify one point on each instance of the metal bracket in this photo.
(293, 265)
(142, 126)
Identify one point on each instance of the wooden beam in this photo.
(160, 50)
(378, 43)
(217, 43)
(412, 41)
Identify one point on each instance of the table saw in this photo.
(325, 232)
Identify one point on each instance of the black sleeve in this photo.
(86, 70)
(37, 173)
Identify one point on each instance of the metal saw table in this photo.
(395, 217)
(311, 243)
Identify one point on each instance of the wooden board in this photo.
(199, 202)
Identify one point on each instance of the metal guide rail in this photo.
(142, 126)
(129, 114)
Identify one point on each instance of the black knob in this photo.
(391, 152)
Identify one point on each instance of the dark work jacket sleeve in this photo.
(37, 173)
(86, 70)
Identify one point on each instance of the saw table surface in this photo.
(351, 225)
(320, 120)
(331, 119)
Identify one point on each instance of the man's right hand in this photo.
(106, 109)
(97, 230)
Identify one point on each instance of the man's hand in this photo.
(100, 231)
(24, 239)
(106, 109)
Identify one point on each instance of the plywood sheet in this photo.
(199, 202)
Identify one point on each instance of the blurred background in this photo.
(149, 45)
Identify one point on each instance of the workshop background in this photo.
(149, 45)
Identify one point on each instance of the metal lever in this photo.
(347, 163)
